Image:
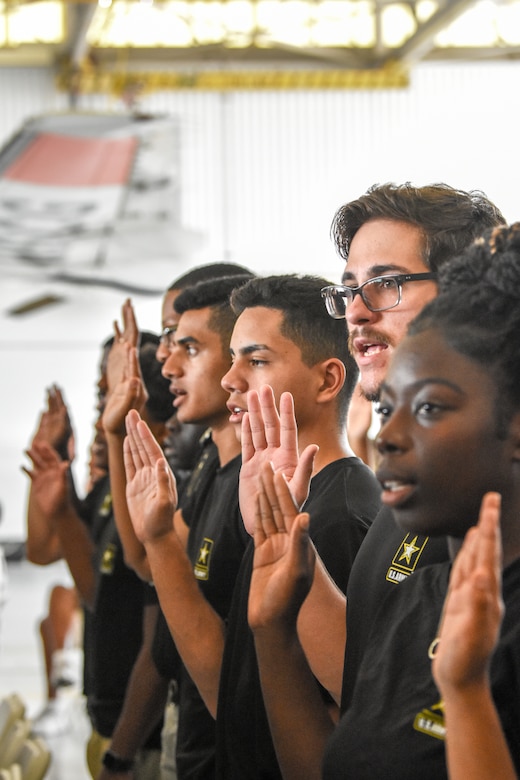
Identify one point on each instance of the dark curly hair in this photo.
(449, 219)
(477, 311)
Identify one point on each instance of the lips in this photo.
(235, 412)
(368, 347)
(178, 395)
(397, 490)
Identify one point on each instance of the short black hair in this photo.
(305, 321)
(203, 273)
(215, 295)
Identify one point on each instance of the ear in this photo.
(515, 435)
(332, 375)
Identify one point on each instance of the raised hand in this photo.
(50, 487)
(126, 335)
(151, 491)
(473, 608)
(54, 426)
(271, 437)
(129, 393)
(284, 557)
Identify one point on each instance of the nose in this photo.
(394, 436)
(358, 313)
(171, 368)
(162, 353)
(232, 381)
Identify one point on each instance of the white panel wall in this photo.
(262, 174)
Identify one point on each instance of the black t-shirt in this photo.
(386, 558)
(343, 499)
(394, 727)
(216, 543)
(114, 628)
(164, 653)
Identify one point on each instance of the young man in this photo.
(394, 232)
(282, 340)
(195, 560)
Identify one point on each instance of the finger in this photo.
(301, 480)
(118, 336)
(289, 429)
(131, 420)
(151, 450)
(270, 416)
(259, 533)
(279, 495)
(246, 439)
(265, 512)
(489, 543)
(51, 399)
(132, 363)
(128, 458)
(131, 331)
(256, 422)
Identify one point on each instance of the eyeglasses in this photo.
(168, 337)
(378, 294)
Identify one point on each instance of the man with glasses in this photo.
(393, 238)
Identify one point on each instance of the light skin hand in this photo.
(473, 608)
(50, 487)
(151, 491)
(128, 394)
(126, 335)
(284, 558)
(271, 437)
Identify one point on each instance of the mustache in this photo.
(369, 335)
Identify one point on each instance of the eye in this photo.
(383, 410)
(428, 409)
(257, 362)
(191, 350)
(386, 283)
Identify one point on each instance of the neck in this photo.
(225, 440)
(333, 444)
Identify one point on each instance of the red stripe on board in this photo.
(69, 161)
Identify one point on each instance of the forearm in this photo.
(298, 717)
(475, 744)
(197, 630)
(134, 551)
(322, 630)
(43, 545)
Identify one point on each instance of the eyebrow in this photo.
(377, 270)
(250, 348)
(429, 380)
(187, 340)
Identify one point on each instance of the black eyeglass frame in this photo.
(166, 336)
(328, 293)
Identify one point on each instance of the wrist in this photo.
(116, 763)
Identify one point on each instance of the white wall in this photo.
(262, 174)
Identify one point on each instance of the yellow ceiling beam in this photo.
(392, 76)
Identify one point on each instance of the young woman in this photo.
(450, 442)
